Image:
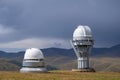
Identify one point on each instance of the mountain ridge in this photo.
(113, 51)
(102, 59)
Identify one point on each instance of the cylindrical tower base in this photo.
(84, 70)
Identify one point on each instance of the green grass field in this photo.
(59, 75)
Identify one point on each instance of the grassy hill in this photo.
(106, 64)
(65, 63)
(59, 75)
(99, 64)
(101, 59)
(9, 65)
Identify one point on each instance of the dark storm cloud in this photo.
(59, 18)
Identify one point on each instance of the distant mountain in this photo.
(113, 51)
(102, 59)
(58, 52)
(11, 55)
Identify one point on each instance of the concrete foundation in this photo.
(33, 70)
(84, 70)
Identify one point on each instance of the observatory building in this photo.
(33, 61)
(82, 43)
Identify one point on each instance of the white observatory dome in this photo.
(33, 61)
(82, 43)
(33, 53)
(82, 32)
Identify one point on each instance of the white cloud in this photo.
(5, 30)
(37, 42)
(57, 19)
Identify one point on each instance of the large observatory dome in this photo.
(33, 53)
(82, 43)
(82, 32)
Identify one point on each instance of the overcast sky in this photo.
(50, 23)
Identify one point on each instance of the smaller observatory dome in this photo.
(33, 53)
(82, 32)
(33, 61)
